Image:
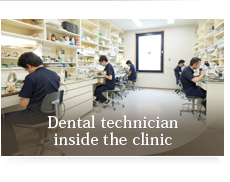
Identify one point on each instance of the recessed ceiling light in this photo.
(170, 21)
(137, 22)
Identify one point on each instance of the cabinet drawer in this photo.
(86, 89)
(86, 107)
(72, 114)
(89, 82)
(72, 93)
(72, 86)
(77, 100)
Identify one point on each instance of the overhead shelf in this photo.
(15, 68)
(104, 38)
(17, 48)
(86, 32)
(88, 42)
(48, 43)
(220, 34)
(61, 31)
(20, 24)
(9, 58)
(114, 35)
(19, 35)
(107, 47)
(88, 23)
(222, 23)
(211, 35)
(57, 63)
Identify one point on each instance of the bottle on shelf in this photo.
(49, 36)
(53, 38)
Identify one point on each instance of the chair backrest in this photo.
(125, 78)
(136, 74)
(47, 106)
(176, 75)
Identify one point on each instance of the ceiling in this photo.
(128, 24)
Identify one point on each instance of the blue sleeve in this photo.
(109, 71)
(188, 75)
(27, 89)
(178, 69)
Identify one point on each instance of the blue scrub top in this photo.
(37, 85)
(186, 77)
(132, 76)
(178, 69)
(110, 71)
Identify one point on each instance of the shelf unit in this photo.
(16, 28)
(207, 38)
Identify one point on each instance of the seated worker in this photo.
(132, 71)
(37, 84)
(189, 81)
(110, 81)
(179, 66)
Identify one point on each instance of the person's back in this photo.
(132, 76)
(37, 85)
(185, 79)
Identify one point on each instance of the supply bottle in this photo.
(62, 76)
(53, 38)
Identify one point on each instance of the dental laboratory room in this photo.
(79, 87)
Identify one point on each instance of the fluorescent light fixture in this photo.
(170, 21)
(137, 22)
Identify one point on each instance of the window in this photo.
(149, 52)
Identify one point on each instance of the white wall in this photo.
(178, 44)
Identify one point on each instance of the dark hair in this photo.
(194, 60)
(102, 58)
(181, 61)
(29, 58)
(128, 62)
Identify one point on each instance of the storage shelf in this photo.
(19, 35)
(59, 67)
(201, 38)
(220, 34)
(116, 41)
(86, 61)
(86, 32)
(20, 24)
(114, 35)
(88, 23)
(88, 42)
(9, 58)
(121, 51)
(61, 31)
(210, 21)
(201, 44)
(219, 25)
(103, 38)
(200, 29)
(16, 68)
(89, 49)
(86, 55)
(107, 47)
(83, 66)
(48, 43)
(211, 35)
(18, 48)
(121, 46)
(56, 63)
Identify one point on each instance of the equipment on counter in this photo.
(70, 27)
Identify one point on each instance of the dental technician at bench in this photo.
(179, 66)
(37, 84)
(110, 81)
(132, 71)
(189, 81)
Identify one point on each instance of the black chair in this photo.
(51, 103)
(133, 83)
(177, 80)
(120, 85)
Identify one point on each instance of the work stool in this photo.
(120, 85)
(50, 104)
(133, 87)
(192, 107)
(112, 96)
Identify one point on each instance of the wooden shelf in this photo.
(88, 42)
(9, 58)
(221, 34)
(114, 35)
(121, 46)
(88, 23)
(86, 61)
(201, 38)
(107, 47)
(210, 21)
(56, 63)
(211, 35)
(219, 25)
(19, 35)
(116, 41)
(86, 32)
(15, 68)
(48, 43)
(61, 31)
(103, 38)
(19, 24)
(17, 48)
(86, 55)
